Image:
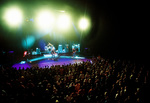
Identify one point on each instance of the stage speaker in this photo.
(60, 48)
(38, 51)
(67, 48)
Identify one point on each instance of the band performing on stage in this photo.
(49, 51)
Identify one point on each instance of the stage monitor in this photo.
(34, 53)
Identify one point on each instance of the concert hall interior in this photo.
(73, 51)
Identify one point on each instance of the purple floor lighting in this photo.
(43, 62)
(21, 65)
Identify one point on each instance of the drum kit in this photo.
(49, 48)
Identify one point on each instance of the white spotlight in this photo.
(63, 21)
(13, 16)
(83, 23)
(45, 20)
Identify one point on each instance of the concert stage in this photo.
(48, 61)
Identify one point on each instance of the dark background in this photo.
(117, 30)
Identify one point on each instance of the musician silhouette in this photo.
(74, 52)
(53, 52)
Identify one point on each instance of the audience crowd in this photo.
(95, 81)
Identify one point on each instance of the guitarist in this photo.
(74, 52)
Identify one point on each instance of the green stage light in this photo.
(13, 16)
(45, 20)
(63, 22)
(83, 23)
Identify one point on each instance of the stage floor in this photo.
(43, 62)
